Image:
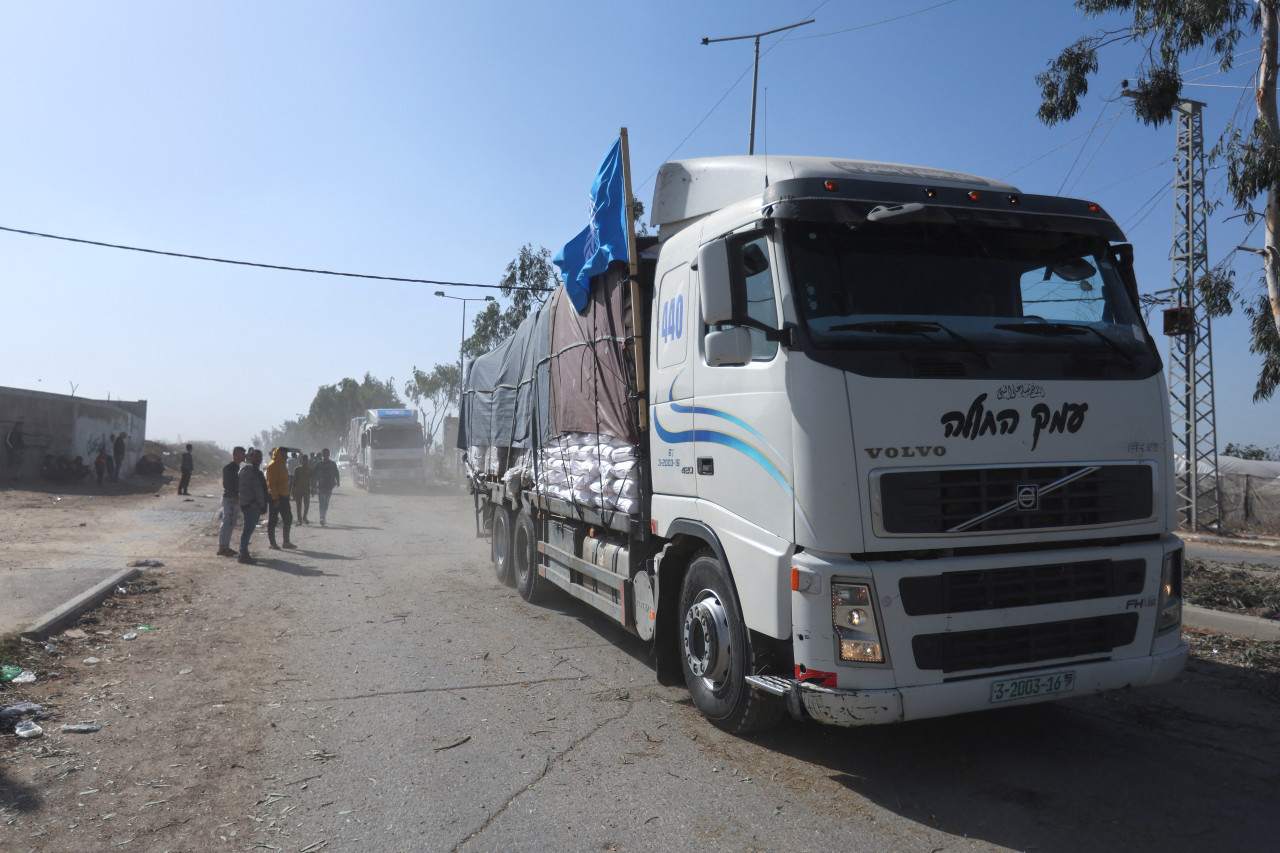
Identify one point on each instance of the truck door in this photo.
(671, 384)
(742, 415)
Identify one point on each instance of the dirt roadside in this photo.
(180, 761)
(177, 759)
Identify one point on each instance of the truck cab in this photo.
(917, 417)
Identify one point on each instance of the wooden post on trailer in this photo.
(637, 318)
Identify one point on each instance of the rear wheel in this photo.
(715, 651)
(502, 545)
(524, 555)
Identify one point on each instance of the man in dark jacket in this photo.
(301, 487)
(326, 479)
(253, 499)
(117, 450)
(187, 466)
(230, 502)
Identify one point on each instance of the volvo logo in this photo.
(906, 452)
(1028, 497)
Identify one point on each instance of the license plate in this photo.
(1008, 689)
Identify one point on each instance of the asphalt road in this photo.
(420, 705)
(1225, 553)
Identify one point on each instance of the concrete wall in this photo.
(72, 426)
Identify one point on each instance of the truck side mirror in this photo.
(716, 286)
(728, 346)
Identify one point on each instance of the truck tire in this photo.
(715, 651)
(524, 556)
(502, 540)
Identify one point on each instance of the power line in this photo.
(1166, 161)
(877, 23)
(264, 266)
(1083, 145)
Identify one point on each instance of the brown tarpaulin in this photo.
(591, 374)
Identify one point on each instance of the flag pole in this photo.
(637, 304)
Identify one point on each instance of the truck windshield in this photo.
(961, 288)
(383, 438)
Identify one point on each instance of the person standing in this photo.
(111, 461)
(187, 466)
(117, 449)
(100, 464)
(278, 496)
(326, 479)
(301, 486)
(253, 497)
(16, 447)
(230, 502)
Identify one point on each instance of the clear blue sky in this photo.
(432, 140)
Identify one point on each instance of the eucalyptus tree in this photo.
(1170, 31)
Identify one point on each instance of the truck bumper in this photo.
(843, 707)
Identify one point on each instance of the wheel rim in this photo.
(706, 639)
(522, 556)
(502, 540)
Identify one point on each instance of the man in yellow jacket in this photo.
(278, 497)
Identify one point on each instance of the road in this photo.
(1254, 555)
(379, 690)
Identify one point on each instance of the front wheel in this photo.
(502, 545)
(524, 554)
(715, 652)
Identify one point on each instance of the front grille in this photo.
(388, 464)
(1023, 644)
(939, 500)
(1020, 586)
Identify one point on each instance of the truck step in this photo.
(775, 684)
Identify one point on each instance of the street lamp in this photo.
(464, 300)
(755, 74)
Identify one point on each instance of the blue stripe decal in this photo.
(713, 437)
(715, 413)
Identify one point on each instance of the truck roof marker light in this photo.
(974, 195)
(930, 192)
(1094, 207)
(830, 185)
(1013, 199)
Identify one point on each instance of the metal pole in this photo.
(755, 74)
(462, 342)
(755, 79)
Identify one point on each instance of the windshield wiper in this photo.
(914, 327)
(1047, 329)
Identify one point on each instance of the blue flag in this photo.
(605, 237)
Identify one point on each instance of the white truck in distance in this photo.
(902, 450)
(386, 448)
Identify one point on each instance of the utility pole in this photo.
(755, 74)
(1195, 436)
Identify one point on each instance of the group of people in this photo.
(110, 458)
(247, 491)
(63, 470)
(108, 464)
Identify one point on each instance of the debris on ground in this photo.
(1238, 588)
(28, 729)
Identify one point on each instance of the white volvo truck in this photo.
(386, 448)
(902, 443)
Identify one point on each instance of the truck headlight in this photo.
(854, 620)
(1169, 611)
